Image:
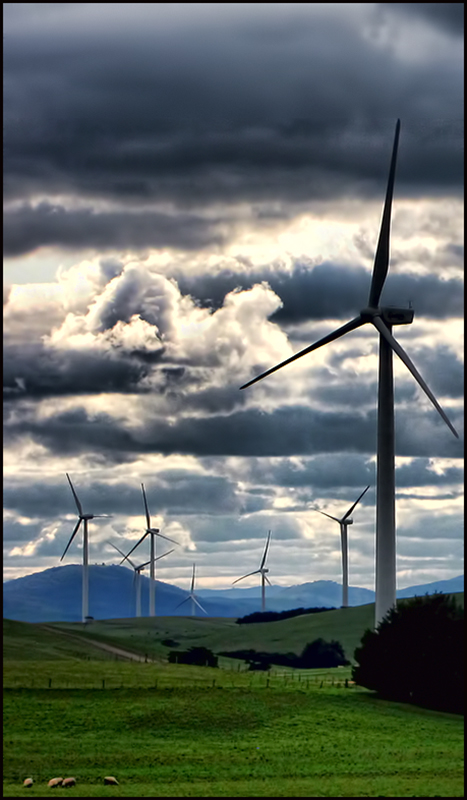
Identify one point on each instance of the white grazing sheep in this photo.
(69, 782)
(28, 782)
(109, 779)
(54, 782)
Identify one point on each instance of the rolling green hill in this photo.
(145, 635)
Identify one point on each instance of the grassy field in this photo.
(190, 741)
(145, 635)
(178, 731)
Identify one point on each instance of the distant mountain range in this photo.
(54, 595)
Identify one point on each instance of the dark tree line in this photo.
(318, 653)
(274, 616)
(416, 654)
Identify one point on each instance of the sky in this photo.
(193, 193)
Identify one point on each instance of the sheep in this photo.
(109, 779)
(69, 782)
(54, 782)
(28, 782)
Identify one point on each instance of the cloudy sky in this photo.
(192, 193)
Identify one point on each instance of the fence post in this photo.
(103, 683)
(50, 682)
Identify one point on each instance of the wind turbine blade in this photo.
(183, 601)
(349, 326)
(78, 504)
(265, 551)
(95, 516)
(352, 507)
(125, 558)
(267, 580)
(142, 566)
(246, 576)
(163, 555)
(136, 545)
(381, 264)
(198, 604)
(148, 518)
(381, 327)
(71, 539)
(193, 579)
(162, 536)
(326, 515)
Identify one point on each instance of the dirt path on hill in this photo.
(118, 651)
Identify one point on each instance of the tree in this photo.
(416, 654)
(320, 653)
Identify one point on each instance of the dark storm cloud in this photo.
(132, 107)
(177, 491)
(34, 371)
(29, 227)
(345, 475)
(295, 430)
(449, 16)
(329, 290)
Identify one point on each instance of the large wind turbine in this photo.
(82, 518)
(137, 576)
(383, 318)
(344, 522)
(194, 600)
(152, 532)
(262, 571)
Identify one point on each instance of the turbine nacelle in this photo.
(397, 316)
(348, 521)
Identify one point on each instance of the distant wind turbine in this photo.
(137, 576)
(383, 318)
(152, 532)
(82, 518)
(344, 522)
(261, 571)
(194, 600)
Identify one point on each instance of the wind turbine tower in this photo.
(261, 571)
(382, 318)
(82, 517)
(152, 532)
(344, 522)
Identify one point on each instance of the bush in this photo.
(416, 654)
(199, 656)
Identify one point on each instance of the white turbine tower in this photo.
(261, 571)
(194, 600)
(383, 319)
(137, 576)
(344, 522)
(152, 532)
(82, 518)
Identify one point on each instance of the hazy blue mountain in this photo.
(55, 595)
(445, 587)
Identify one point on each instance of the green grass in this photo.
(144, 635)
(178, 731)
(25, 642)
(189, 741)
